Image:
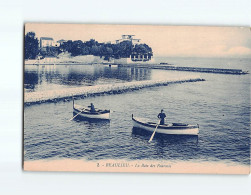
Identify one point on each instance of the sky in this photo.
(171, 41)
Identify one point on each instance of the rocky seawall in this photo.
(86, 91)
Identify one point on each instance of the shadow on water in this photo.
(92, 126)
(164, 139)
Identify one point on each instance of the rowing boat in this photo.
(174, 128)
(86, 112)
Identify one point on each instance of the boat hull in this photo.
(104, 115)
(167, 129)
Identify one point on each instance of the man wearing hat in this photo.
(162, 117)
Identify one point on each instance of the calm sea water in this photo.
(220, 105)
(41, 78)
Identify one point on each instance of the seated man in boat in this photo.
(162, 117)
(92, 108)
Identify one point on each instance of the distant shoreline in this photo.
(162, 66)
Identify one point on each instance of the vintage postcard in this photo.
(136, 98)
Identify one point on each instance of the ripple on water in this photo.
(222, 111)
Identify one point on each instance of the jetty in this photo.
(166, 66)
(87, 91)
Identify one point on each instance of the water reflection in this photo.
(30, 80)
(93, 124)
(48, 77)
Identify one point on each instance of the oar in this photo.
(154, 132)
(77, 114)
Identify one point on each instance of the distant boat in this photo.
(174, 128)
(86, 112)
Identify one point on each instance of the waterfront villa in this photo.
(48, 42)
(135, 57)
(128, 38)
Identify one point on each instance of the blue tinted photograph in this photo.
(136, 98)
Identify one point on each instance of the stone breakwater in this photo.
(162, 66)
(86, 91)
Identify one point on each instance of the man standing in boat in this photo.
(92, 108)
(162, 117)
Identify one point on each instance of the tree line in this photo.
(92, 47)
(30, 46)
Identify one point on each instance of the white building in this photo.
(46, 42)
(49, 42)
(133, 60)
(128, 38)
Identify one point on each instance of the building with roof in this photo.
(46, 42)
(128, 38)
